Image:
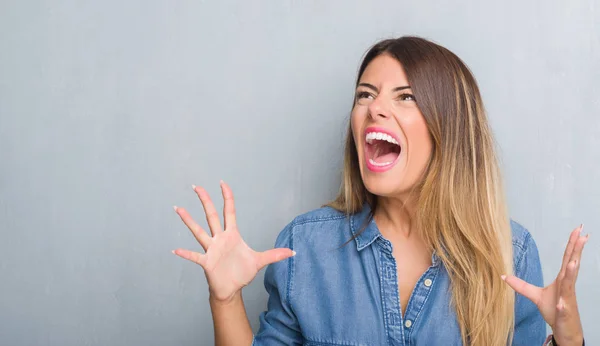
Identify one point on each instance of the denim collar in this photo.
(370, 233)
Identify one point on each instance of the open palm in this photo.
(557, 302)
(228, 262)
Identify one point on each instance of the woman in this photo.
(418, 244)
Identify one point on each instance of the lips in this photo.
(382, 149)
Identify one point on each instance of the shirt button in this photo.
(408, 323)
(428, 282)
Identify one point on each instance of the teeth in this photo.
(380, 136)
(379, 164)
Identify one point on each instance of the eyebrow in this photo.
(372, 87)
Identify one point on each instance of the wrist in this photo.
(234, 299)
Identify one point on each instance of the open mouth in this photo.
(382, 150)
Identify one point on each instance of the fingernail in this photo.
(561, 304)
(194, 187)
(175, 207)
(221, 182)
(293, 253)
(581, 228)
(503, 277)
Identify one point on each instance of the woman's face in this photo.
(392, 140)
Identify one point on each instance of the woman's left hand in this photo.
(557, 301)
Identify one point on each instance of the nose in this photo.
(379, 109)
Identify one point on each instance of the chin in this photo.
(383, 186)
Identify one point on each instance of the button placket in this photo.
(417, 301)
(390, 299)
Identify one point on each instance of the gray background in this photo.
(110, 110)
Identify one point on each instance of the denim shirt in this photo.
(329, 294)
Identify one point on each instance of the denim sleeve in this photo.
(530, 327)
(278, 325)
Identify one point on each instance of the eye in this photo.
(364, 97)
(363, 94)
(406, 97)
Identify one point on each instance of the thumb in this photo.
(524, 288)
(273, 255)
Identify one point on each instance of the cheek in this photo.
(420, 143)
(356, 122)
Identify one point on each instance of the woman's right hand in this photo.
(229, 264)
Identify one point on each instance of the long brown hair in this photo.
(461, 209)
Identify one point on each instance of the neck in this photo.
(395, 216)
